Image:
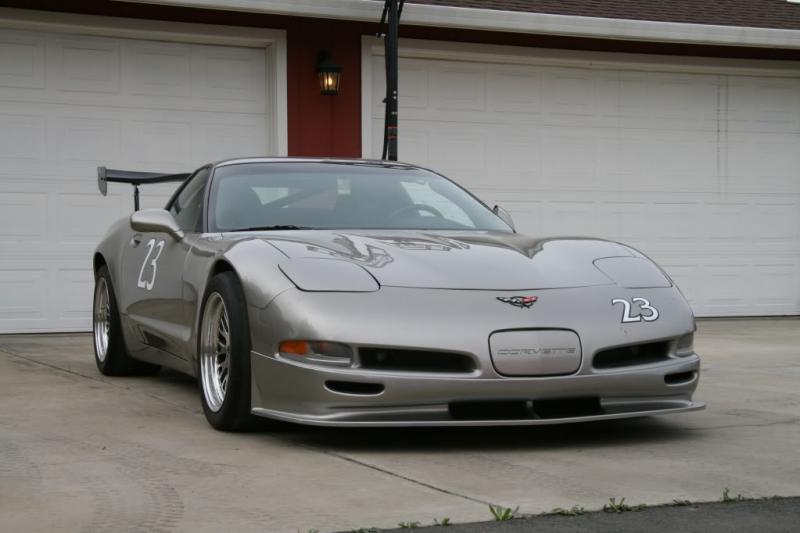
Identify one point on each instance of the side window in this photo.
(188, 205)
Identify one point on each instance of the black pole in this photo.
(392, 11)
(135, 196)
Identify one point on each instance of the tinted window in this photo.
(187, 208)
(342, 196)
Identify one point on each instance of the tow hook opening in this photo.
(680, 378)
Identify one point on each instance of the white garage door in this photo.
(699, 171)
(69, 103)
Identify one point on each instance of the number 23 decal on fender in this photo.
(158, 247)
(647, 312)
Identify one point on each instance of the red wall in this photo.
(323, 125)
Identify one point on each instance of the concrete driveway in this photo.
(81, 452)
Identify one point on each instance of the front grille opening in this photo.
(415, 360)
(354, 387)
(679, 378)
(637, 354)
(567, 407)
(525, 409)
(491, 410)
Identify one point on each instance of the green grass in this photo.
(727, 498)
(501, 514)
(614, 506)
(575, 510)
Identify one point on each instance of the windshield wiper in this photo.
(276, 227)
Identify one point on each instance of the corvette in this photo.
(370, 293)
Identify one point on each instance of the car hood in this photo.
(457, 260)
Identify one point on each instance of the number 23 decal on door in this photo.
(647, 312)
(158, 247)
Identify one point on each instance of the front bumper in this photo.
(462, 321)
(298, 393)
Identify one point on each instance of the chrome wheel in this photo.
(101, 319)
(215, 352)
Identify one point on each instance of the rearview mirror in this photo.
(156, 221)
(503, 215)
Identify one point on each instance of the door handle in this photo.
(136, 240)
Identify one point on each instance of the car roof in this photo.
(338, 160)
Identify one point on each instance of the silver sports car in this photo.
(368, 293)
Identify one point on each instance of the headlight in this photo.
(633, 272)
(328, 275)
(317, 352)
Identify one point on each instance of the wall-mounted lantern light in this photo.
(330, 74)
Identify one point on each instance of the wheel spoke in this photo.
(101, 318)
(215, 352)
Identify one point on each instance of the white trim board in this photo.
(512, 21)
(273, 41)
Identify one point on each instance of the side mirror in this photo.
(503, 215)
(156, 221)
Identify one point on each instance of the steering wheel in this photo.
(416, 208)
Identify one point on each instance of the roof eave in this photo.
(512, 21)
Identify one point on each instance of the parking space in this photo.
(79, 451)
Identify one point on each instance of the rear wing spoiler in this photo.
(106, 175)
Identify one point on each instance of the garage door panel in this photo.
(22, 136)
(127, 73)
(149, 137)
(460, 150)
(63, 140)
(83, 139)
(22, 217)
(87, 65)
(58, 216)
(768, 105)
(24, 291)
(160, 69)
(70, 103)
(759, 161)
(517, 155)
(229, 74)
(458, 87)
(81, 234)
(776, 225)
(22, 61)
(220, 139)
(31, 301)
(515, 90)
(74, 300)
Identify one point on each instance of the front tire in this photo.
(224, 356)
(110, 355)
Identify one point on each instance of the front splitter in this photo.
(336, 420)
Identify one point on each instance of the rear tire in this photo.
(110, 355)
(223, 356)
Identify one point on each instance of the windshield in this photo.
(342, 196)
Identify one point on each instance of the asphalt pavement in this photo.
(773, 515)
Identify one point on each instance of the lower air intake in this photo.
(414, 360)
(636, 354)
